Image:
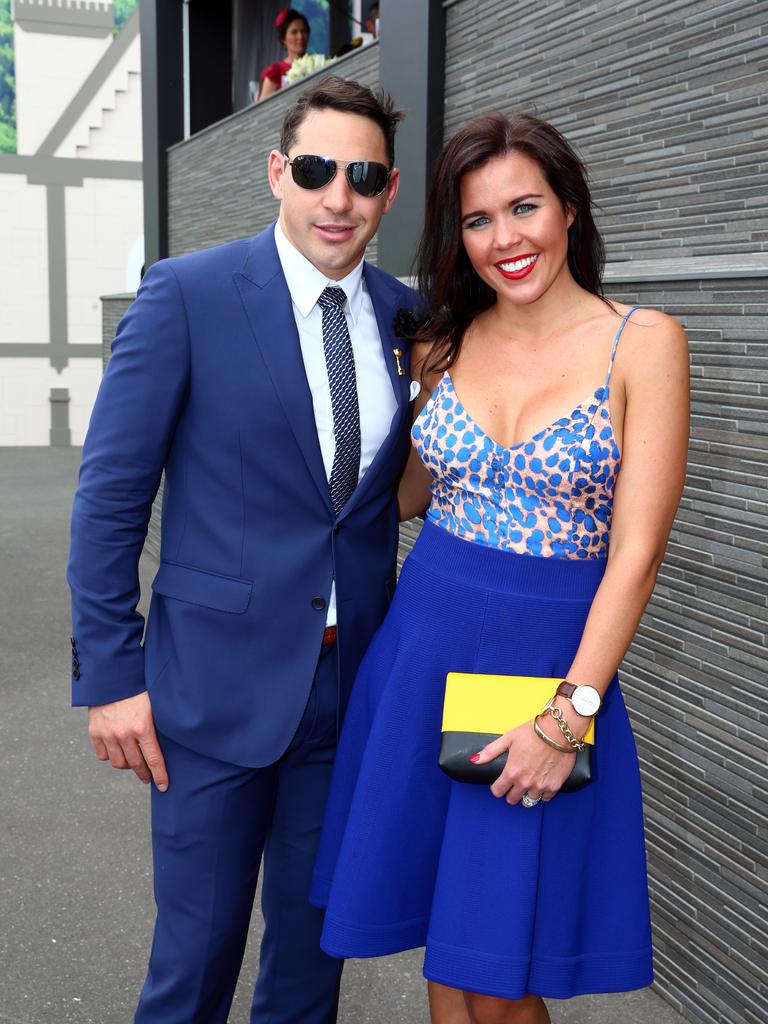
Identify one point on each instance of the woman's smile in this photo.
(517, 269)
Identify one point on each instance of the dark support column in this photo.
(61, 436)
(162, 113)
(412, 68)
(210, 61)
(338, 25)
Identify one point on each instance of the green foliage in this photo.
(7, 138)
(123, 10)
(7, 81)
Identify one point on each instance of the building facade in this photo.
(71, 212)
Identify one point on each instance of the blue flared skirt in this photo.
(551, 900)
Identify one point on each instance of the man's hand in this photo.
(124, 734)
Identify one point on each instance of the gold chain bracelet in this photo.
(563, 726)
(543, 736)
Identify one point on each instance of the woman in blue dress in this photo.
(549, 448)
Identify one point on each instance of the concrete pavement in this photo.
(76, 906)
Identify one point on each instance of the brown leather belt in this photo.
(329, 636)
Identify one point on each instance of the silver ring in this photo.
(528, 801)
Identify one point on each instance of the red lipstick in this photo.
(528, 261)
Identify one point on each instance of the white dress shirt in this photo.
(375, 394)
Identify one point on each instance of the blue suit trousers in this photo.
(209, 833)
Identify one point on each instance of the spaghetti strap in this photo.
(622, 325)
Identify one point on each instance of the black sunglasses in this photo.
(366, 177)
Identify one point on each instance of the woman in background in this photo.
(293, 30)
(549, 446)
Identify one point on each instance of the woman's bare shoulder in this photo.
(651, 340)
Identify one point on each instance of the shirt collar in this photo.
(306, 283)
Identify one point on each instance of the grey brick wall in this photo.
(666, 102)
(217, 180)
(112, 309)
(695, 678)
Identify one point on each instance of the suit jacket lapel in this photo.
(385, 300)
(268, 306)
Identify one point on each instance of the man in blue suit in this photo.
(264, 378)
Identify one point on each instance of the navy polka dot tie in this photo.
(340, 363)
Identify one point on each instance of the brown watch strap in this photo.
(566, 689)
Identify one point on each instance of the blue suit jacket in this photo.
(207, 382)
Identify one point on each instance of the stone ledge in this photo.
(688, 268)
(68, 17)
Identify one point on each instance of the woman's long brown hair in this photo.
(451, 291)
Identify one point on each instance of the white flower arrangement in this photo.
(305, 65)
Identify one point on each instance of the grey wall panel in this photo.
(217, 180)
(696, 677)
(112, 309)
(665, 100)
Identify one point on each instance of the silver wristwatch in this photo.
(585, 699)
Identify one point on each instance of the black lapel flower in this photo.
(406, 323)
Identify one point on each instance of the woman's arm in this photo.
(414, 488)
(648, 489)
(268, 87)
(655, 376)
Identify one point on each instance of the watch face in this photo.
(586, 700)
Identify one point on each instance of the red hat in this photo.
(280, 19)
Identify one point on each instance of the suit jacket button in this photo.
(318, 603)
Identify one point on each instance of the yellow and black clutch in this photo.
(478, 709)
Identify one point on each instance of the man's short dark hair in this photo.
(335, 93)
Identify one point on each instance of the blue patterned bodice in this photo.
(549, 496)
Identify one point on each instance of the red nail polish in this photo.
(475, 758)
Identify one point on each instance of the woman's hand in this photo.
(532, 767)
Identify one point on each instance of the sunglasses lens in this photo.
(366, 177)
(312, 171)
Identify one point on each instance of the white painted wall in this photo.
(117, 134)
(25, 408)
(104, 219)
(23, 262)
(110, 127)
(104, 225)
(49, 71)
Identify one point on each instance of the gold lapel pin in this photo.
(397, 352)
